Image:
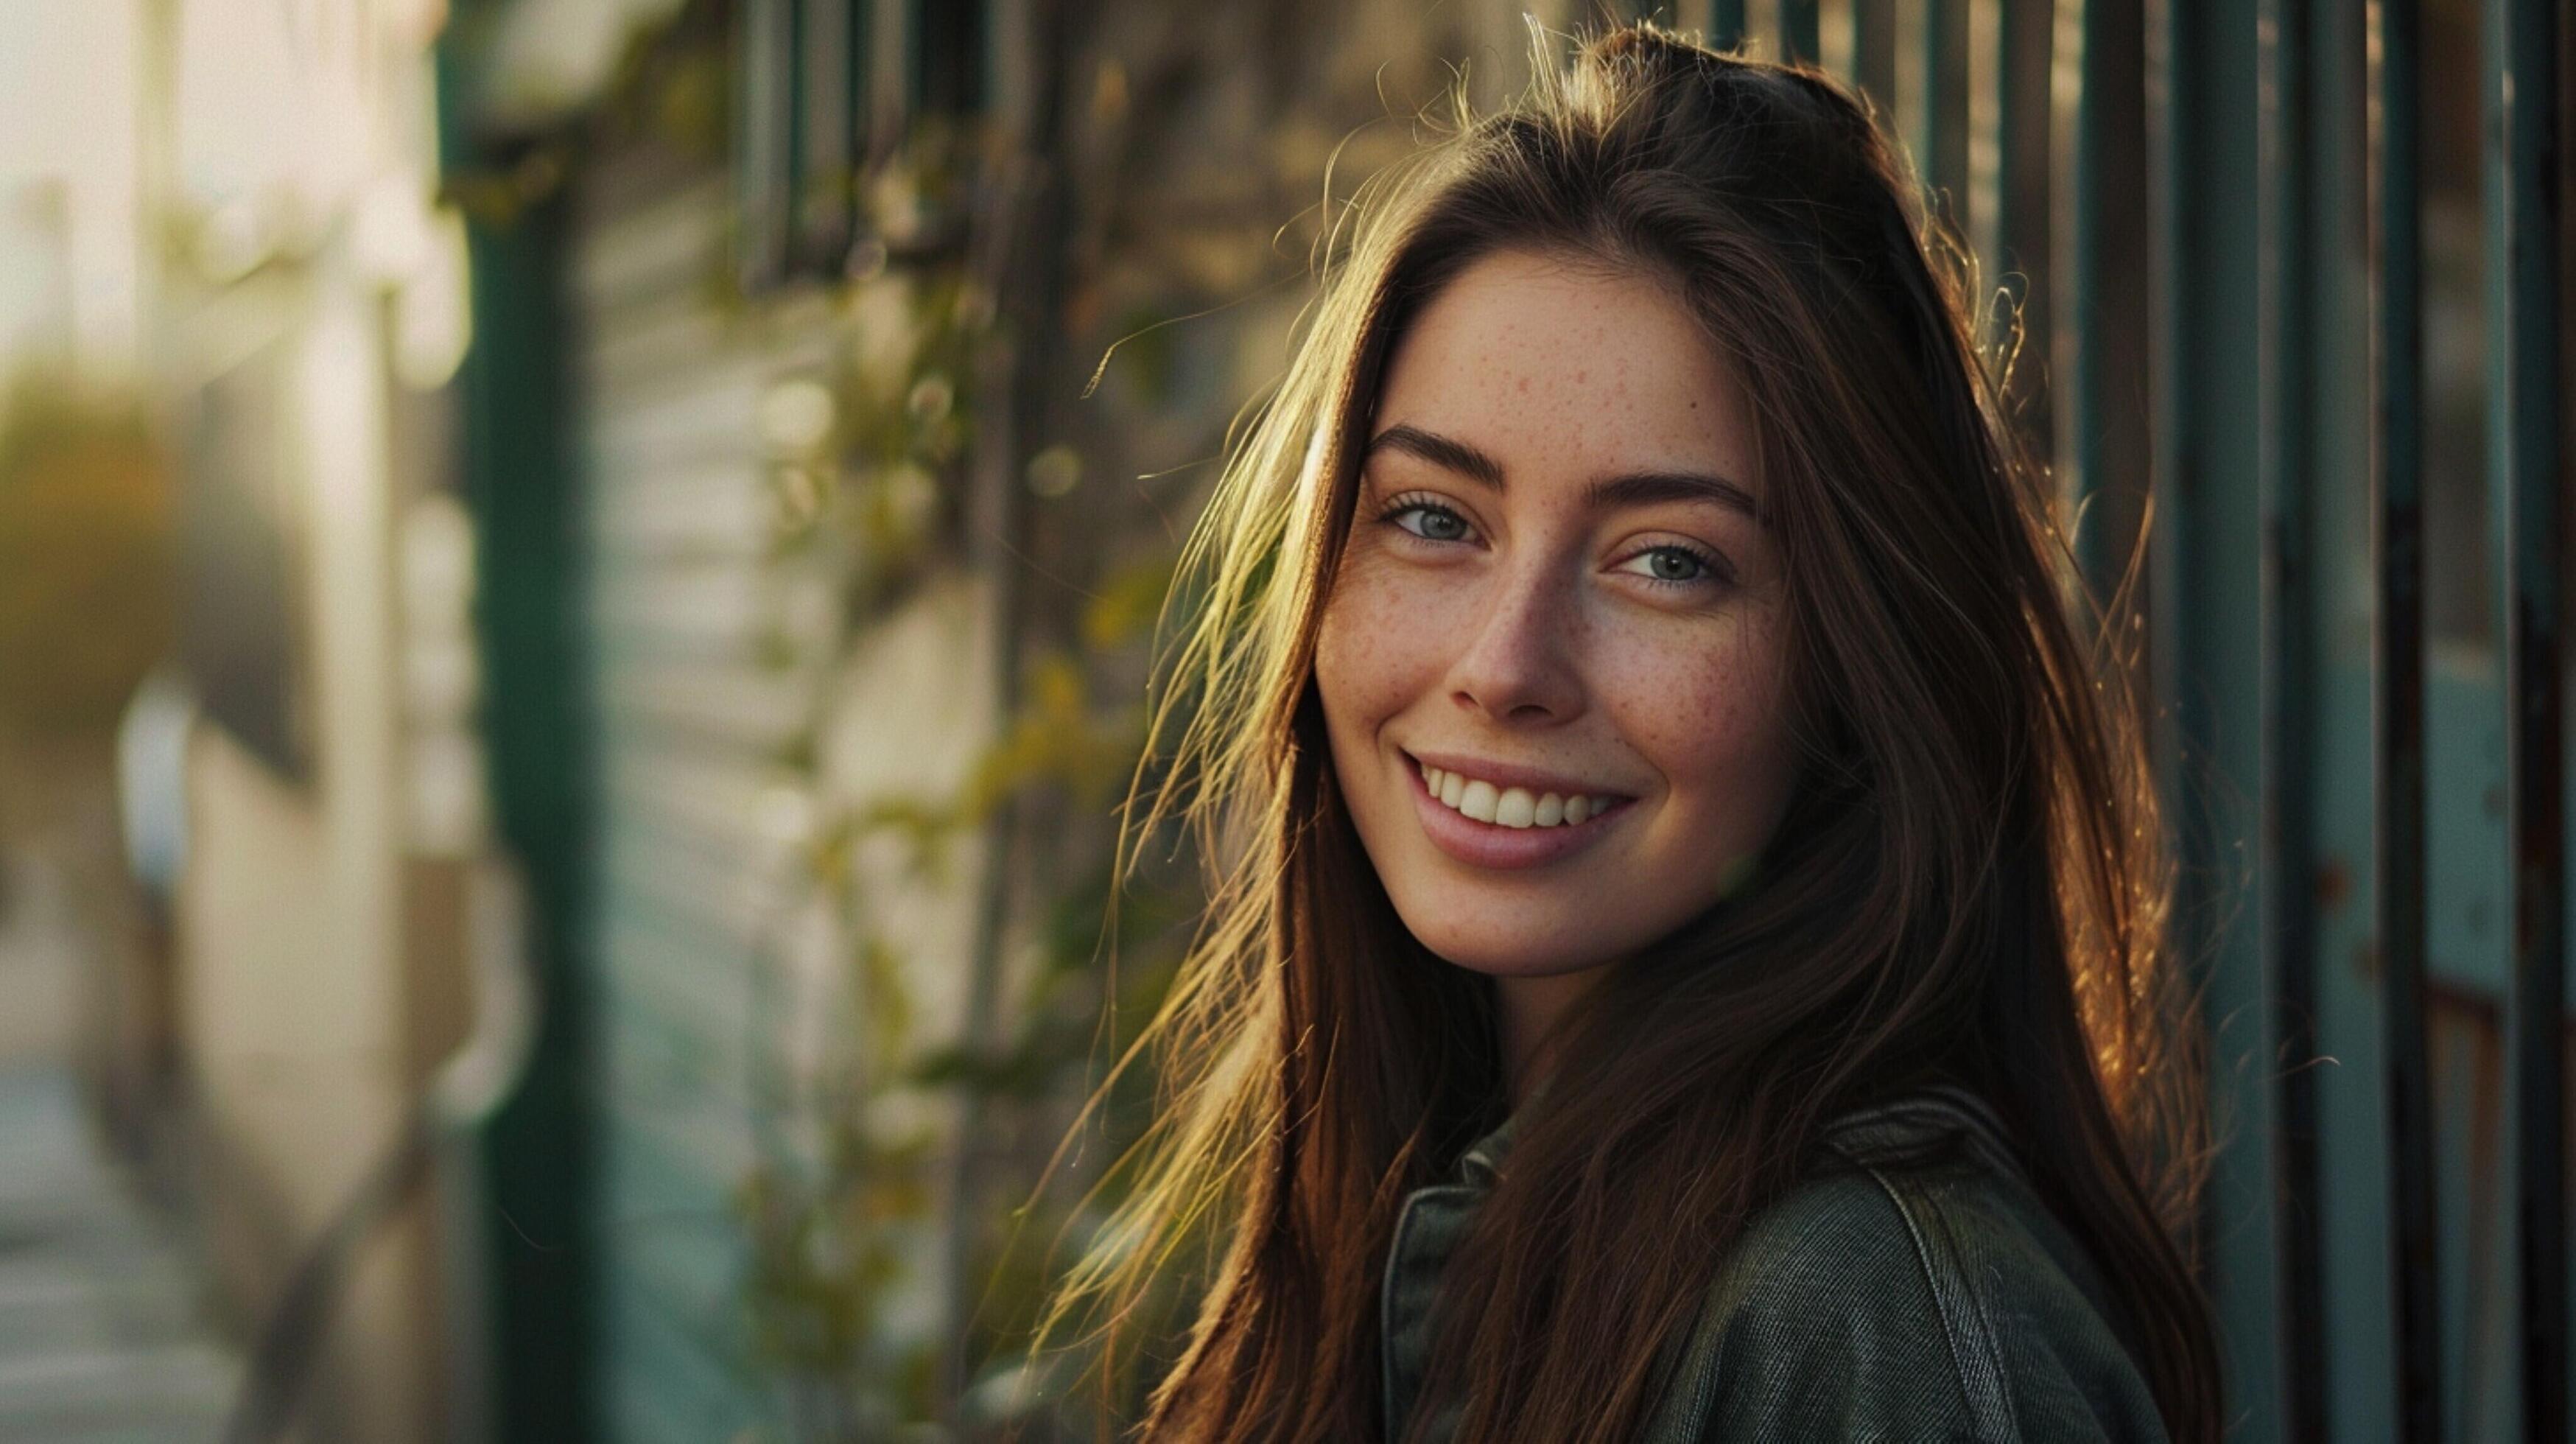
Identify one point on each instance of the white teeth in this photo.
(1478, 800)
(1514, 807)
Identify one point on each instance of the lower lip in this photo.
(1490, 844)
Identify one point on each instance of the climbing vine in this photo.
(868, 460)
(909, 1208)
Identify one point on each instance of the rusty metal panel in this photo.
(2286, 149)
(2212, 656)
(2524, 496)
(2398, 550)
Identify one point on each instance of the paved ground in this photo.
(102, 1337)
(101, 1331)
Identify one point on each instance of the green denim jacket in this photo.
(1931, 1302)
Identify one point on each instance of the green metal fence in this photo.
(2288, 273)
(2296, 298)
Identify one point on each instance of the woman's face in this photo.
(1557, 588)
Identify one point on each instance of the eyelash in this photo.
(1712, 568)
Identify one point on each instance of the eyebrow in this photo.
(1631, 488)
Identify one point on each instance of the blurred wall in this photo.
(289, 915)
(312, 293)
(72, 121)
(71, 283)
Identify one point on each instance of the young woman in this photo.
(1687, 962)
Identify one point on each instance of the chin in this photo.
(1506, 952)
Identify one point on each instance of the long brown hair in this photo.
(1970, 886)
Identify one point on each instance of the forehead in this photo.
(1562, 370)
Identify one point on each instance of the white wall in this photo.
(301, 160)
(70, 250)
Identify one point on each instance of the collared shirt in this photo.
(1933, 1302)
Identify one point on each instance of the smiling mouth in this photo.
(1512, 807)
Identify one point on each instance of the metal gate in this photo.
(2291, 269)
(2289, 277)
(689, 718)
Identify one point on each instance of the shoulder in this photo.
(1897, 1294)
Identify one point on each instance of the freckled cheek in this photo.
(1380, 645)
(1711, 719)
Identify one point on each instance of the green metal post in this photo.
(2351, 1217)
(2399, 353)
(2289, 581)
(519, 483)
(2098, 321)
(2524, 493)
(1725, 24)
(1874, 52)
(2019, 238)
(1801, 31)
(2203, 77)
(1932, 95)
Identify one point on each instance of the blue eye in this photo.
(1439, 523)
(1677, 566)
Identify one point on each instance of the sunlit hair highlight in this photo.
(1970, 886)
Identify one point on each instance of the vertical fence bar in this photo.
(948, 62)
(1873, 58)
(1725, 24)
(2093, 71)
(824, 192)
(2398, 704)
(1946, 62)
(2210, 651)
(538, 1156)
(2010, 106)
(2017, 249)
(766, 160)
(1801, 31)
(2159, 29)
(2352, 1220)
(1911, 66)
(2523, 250)
(858, 68)
(1932, 97)
(2073, 342)
(1989, 87)
(2286, 146)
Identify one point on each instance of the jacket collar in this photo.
(1481, 1165)
(1435, 1217)
(1941, 1108)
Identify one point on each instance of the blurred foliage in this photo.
(876, 483)
(86, 558)
(867, 468)
(672, 83)
(830, 1246)
(917, 1195)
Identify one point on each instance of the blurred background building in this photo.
(574, 588)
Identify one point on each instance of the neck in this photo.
(1529, 1010)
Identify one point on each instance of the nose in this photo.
(1518, 663)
